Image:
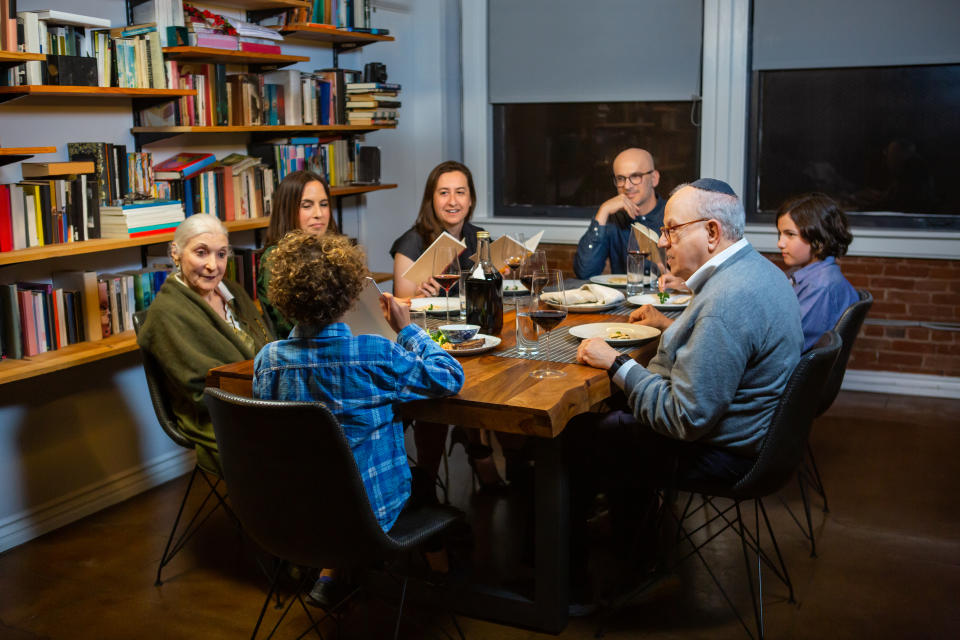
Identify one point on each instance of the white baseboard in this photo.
(904, 384)
(27, 525)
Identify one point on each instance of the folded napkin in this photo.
(587, 294)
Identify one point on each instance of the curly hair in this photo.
(316, 279)
(428, 223)
(821, 222)
(286, 205)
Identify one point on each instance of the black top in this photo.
(411, 245)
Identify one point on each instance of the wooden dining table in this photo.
(500, 395)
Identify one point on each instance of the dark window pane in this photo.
(880, 139)
(556, 159)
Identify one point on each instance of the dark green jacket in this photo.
(188, 338)
(280, 324)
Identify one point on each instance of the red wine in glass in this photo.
(547, 319)
(446, 280)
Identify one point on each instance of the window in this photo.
(556, 159)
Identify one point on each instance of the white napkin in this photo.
(587, 294)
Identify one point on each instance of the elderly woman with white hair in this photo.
(199, 321)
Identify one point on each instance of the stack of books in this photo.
(373, 103)
(138, 219)
(74, 47)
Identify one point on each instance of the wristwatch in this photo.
(618, 362)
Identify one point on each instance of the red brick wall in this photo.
(903, 289)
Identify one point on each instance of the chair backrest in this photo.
(158, 395)
(847, 327)
(294, 483)
(786, 442)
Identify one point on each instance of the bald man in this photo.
(636, 201)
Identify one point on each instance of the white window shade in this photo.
(605, 50)
(820, 34)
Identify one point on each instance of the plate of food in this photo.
(618, 280)
(480, 343)
(437, 306)
(513, 287)
(619, 334)
(664, 301)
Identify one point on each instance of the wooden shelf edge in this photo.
(109, 244)
(282, 128)
(23, 151)
(107, 92)
(328, 33)
(238, 57)
(19, 56)
(67, 357)
(351, 190)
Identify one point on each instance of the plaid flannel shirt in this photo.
(360, 379)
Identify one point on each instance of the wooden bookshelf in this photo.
(13, 58)
(14, 93)
(69, 356)
(253, 5)
(327, 33)
(358, 189)
(147, 135)
(16, 154)
(227, 56)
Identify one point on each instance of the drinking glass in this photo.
(446, 271)
(547, 316)
(513, 256)
(533, 275)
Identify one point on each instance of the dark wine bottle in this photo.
(485, 291)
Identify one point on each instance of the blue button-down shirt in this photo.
(360, 379)
(600, 243)
(824, 294)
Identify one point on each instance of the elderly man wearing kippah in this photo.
(702, 406)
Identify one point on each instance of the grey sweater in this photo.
(723, 364)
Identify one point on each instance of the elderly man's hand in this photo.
(649, 315)
(669, 281)
(596, 353)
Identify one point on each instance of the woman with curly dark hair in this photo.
(813, 233)
(302, 202)
(316, 279)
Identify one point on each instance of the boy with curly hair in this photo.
(316, 279)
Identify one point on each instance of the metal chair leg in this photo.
(816, 475)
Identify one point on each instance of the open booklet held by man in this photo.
(647, 240)
(422, 269)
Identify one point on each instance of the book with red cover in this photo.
(28, 323)
(6, 219)
(259, 47)
(182, 165)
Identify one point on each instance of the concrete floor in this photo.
(888, 562)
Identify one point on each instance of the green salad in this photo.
(664, 296)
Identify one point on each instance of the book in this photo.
(422, 269)
(62, 17)
(214, 41)
(43, 169)
(182, 165)
(365, 317)
(363, 87)
(647, 240)
(10, 317)
(259, 47)
(505, 245)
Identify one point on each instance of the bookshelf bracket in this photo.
(143, 139)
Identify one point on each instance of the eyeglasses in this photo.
(670, 232)
(634, 178)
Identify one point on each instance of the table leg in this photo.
(552, 509)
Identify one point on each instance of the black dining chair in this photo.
(295, 486)
(210, 475)
(779, 459)
(847, 327)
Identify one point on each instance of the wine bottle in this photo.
(485, 291)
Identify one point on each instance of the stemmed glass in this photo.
(548, 315)
(446, 271)
(515, 254)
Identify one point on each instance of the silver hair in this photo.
(725, 209)
(193, 226)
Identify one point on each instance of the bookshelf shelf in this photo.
(16, 154)
(14, 93)
(226, 56)
(69, 356)
(147, 135)
(253, 5)
(13, 58)
(327, 33)
(112, 244)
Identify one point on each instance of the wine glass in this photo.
(535, 262)
(446, 271)
(547, 315)
(514, 256)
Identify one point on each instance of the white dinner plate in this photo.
(513, 287)
(588, 307)
(631, 333)
(436, 306)
(489, 342)
(617, 280)
(676, 301)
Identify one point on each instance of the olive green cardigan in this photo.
(188, 338)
